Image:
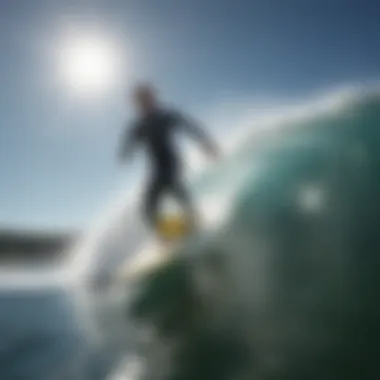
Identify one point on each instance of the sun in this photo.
(88, 64)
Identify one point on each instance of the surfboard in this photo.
(173, 228)
(172, 232)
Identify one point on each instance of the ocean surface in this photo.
(293, 211)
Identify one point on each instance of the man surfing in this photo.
(154, 130)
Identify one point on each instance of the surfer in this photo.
(154, 130)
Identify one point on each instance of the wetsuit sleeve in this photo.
(129, 141)
(194, 129)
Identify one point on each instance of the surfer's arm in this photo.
(194, 129)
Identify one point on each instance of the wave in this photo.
(284, 265)
(118, 233)
(282, 288)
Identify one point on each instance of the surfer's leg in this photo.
(151, 200)
(178, 189)
(182, 194)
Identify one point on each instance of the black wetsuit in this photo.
(155, 132)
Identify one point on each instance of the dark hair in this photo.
(143, 88)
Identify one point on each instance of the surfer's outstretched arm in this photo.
(197, 131)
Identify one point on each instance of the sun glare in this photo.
(88, 65)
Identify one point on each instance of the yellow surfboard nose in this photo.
(172, 227)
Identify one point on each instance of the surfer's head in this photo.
(145, 98)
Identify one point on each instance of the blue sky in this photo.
(57, 150)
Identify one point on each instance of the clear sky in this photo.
(59, 133)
